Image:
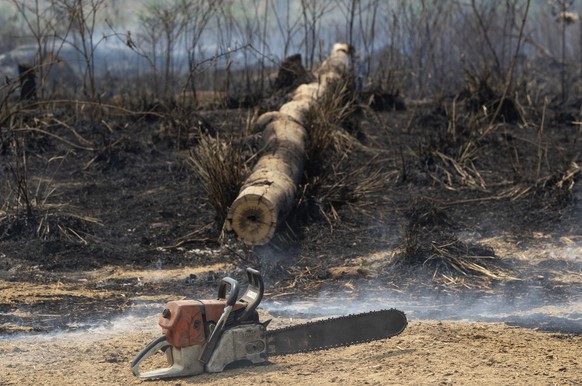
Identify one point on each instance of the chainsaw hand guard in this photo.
(182, 362)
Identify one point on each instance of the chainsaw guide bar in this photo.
(336, 332)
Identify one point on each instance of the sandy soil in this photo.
(427, 353)
(464, 351)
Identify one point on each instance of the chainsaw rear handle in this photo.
(155, 345)
(232, 294)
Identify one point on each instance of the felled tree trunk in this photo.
(267, 195)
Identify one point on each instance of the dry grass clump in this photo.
(429, 241)
(34, 218)
(329, 111)
(333, 178)
(552, 191)
(26, 210)
(450, 170)
(220, 166)
(483, 97)
(449, 155)
(47, 222)
(343, 185)
(462, 129)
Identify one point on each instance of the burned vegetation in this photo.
(366, 171)
(418, 168)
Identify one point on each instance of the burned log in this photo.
(267, 195)
(291, 74)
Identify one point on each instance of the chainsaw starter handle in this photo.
(233, 293)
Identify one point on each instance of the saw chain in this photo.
(336, 332)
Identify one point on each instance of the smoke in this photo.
(140, 317)
(546, 293)
(547, 297)
(531, 307)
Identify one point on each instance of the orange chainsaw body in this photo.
(186, 322)
(207, 335)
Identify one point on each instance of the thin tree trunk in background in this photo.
(27, 77)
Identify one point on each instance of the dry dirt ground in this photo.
(124, 226)
(428, 353)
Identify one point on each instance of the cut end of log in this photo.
(253, 219)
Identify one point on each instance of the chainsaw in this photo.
(210, 335)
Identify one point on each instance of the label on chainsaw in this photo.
(336, 332)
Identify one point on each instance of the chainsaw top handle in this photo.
(221, 323)
(233, 290)
(254, 293)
